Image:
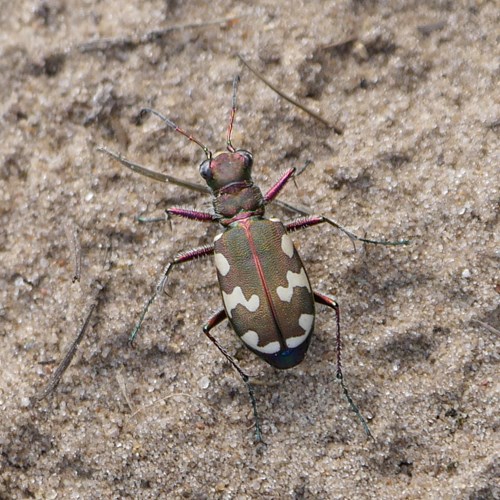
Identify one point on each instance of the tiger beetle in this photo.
(267, 296)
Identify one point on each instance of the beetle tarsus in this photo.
(215, 320)
(353, 406)
(258, 431)
(148, 220)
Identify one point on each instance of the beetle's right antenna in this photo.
(229, 145)
(171, 124)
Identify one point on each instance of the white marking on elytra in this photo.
(274, 219)
(287, 245)
(251, 339)
(306, 322)
(236, 297)
(294, 279)
(222, 264)
(296, 341)
(218, 237)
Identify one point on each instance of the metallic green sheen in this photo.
(258, 265)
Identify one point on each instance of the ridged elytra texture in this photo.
(265, 290)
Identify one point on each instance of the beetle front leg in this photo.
(215, 320)
(319, 298)
(275, 190)
(192, 254)
(313, 220)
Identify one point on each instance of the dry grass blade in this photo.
(70, 353)
(293, 101)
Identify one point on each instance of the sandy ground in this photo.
(413, 85)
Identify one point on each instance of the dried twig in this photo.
(293, 101)
(490, 328)
(70, 353)
(72, 235)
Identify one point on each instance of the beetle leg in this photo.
(182, 212)
(193, 186)
(313, 220)
(194, 253)
(275, 190)
(215, 320)
(328, 301)
(192, 214)
(319, 298)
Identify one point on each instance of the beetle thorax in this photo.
(229, 176)
(238, 201)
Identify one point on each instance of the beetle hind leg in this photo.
(319, 298)
(215, 320)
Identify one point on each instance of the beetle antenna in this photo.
(171, 124)
(229, 145)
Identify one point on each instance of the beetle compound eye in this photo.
(247, 157)
(205, 170)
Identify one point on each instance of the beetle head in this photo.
(227, 168)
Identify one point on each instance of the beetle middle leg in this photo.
(215, 320)
(186, 256)
(312, 220)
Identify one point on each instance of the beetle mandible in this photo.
(266, 292)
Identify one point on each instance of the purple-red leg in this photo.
(194, 253)
(276, 189)
(192, 214)
(328, 301)
(215, 320)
